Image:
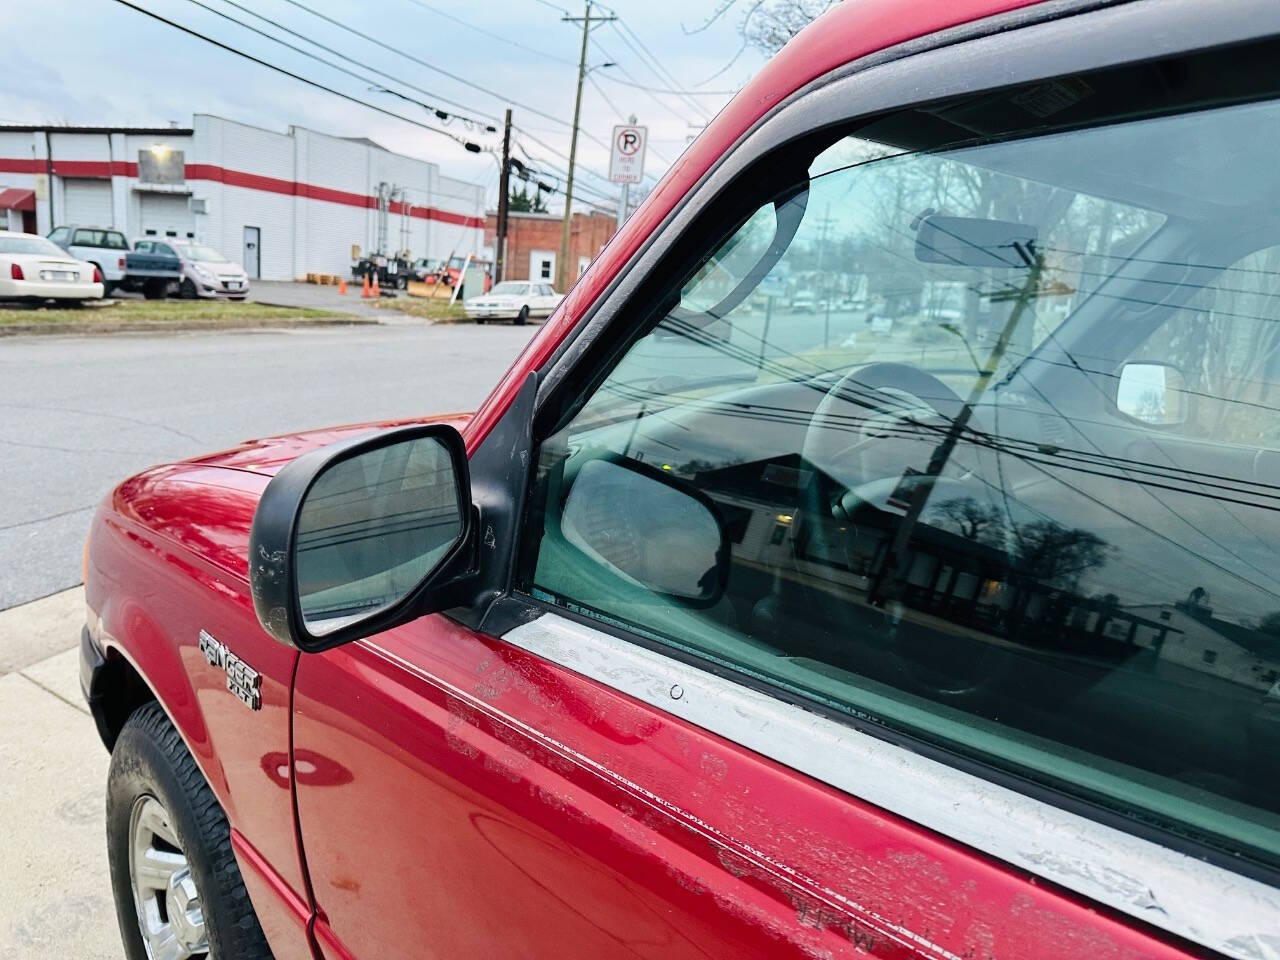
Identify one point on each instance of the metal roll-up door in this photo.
(87, 202)
(167, 215)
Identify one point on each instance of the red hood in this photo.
(267, 455)
(205, 505)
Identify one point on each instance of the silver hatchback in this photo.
(205, 271)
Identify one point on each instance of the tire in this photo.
(522, 317)
(187, 289)
(479, 321)
(154, 782)
(154, 290)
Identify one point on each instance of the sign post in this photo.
(626, 160)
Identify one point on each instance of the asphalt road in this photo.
(79, 414)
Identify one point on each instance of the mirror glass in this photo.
(646, 530)
(1153, 393)
(974, 241)
(372, 527)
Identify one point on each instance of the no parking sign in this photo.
(626, 159)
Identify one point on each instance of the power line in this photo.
(612, 106)
(661, 103)
(490, 33)
(289, 73)
(656, 66)
(430, 66)
(443, 115)
(668, 90)
(561, 154)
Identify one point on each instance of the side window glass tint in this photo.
(989, 438)
(1221, 351)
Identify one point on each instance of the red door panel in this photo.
(479, 801)
(154, 602)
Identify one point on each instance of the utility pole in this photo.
(504, 190)
(586, 20)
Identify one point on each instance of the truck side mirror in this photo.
(358, 537)
(1153, 393)
(648, 529)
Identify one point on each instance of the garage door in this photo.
(88, 202)
(167, 215)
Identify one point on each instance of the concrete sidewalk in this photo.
(55, 893)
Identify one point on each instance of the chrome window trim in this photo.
(1207, 904)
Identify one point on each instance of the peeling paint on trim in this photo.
(1207, 904)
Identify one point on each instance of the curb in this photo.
(97, 329)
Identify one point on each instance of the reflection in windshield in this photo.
(946, 510)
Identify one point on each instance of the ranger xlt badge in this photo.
(242, 680)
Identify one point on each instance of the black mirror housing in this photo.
(362, 536)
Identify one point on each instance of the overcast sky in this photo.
(101, 63)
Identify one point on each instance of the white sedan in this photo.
(516, 300)
(33, 268)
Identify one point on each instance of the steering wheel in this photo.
(869, 403)
(859, 417)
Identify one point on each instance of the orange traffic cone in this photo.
(364, 292)
(342, 286)
(376, 292)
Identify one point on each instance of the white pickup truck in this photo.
(108, 250)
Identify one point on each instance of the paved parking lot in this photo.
(286, 294)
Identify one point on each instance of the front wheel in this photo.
(522, 317)
(178, 890)
(187, 289)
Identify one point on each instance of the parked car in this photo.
(393, 273)
(514, 300)
(804, 302)
(33, 268)
(688, 648)
(205, 272)
(151, 274)
(429, 270)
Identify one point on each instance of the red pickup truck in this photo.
(939, 621)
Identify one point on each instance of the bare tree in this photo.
(763, 24)
(771, 24)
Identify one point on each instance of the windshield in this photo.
(30, 244)
(200, 253)
(510, 289)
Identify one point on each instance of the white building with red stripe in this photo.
(284, 204)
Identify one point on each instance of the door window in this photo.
(59, 235)
(1223, 348)
(907, 389)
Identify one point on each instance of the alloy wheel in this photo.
(170, 913)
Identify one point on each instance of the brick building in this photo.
(533, 242)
